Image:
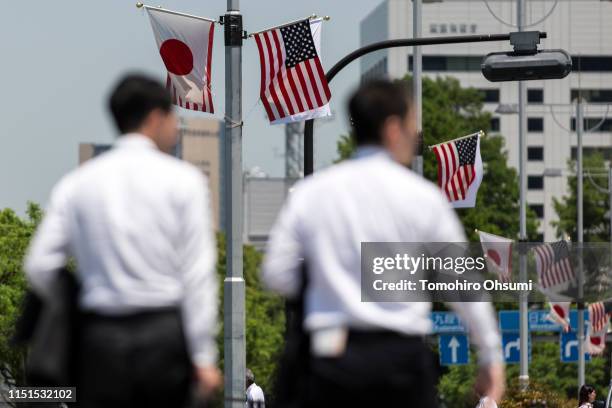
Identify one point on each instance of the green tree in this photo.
(15, 234)
(450, 111)
(595, 203)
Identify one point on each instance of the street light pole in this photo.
(523, 325)
(580, 233)
(417, 85)
(233, 285)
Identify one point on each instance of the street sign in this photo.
(454, 349)
(511, 347)
(568, 345)
(537, 321)
(446, 322)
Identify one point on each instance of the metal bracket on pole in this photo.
(525, 42)
(234, 34)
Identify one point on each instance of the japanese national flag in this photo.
(598, 326)
(498, 251)
(185, 44)
(559, 313)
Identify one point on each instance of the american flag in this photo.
(292, 77)
(459, 168)
(553, 264)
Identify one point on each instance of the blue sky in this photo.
(59, 59)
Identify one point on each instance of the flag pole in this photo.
(176, 13)
(233, 284)
(310, 17)
(479, 133)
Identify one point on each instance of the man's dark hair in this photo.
(372, 104)
(133, 98)
(250, 377)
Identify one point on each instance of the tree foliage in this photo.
(15, 234)
(596, 203)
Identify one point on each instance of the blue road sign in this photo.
(537, 320)
(511, 343)
(446, 322)
(454, 349)
(569, 348)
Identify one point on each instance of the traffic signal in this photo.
(522, 66)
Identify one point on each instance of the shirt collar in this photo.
(368, 151)
(135, 140)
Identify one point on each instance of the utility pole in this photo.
(233, 285)
(580, 233)
(523, 312)
(417, 85)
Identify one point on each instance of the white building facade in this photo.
(581, 27)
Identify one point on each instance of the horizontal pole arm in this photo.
(411, 42)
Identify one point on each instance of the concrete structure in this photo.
(263, 199)
(582, 27)
(199, 144)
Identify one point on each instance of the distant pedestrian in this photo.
(370, 354)
(486, 402)
(586, 396)
(138, 223)
(254, 393)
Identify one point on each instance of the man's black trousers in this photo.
(378, 369)
(133, 361)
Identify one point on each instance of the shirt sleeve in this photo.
(285, 252)
(49, 248)
(199, 255)
(478, 316)
(482, 326)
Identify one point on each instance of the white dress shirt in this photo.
(369, 198)
(255, 397)
(138, 223)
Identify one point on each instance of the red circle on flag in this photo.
(177, 57)
(494, 256)
(559, 311)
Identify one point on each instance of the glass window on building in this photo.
(490, 95)
(594, 124)
(602, 63)
(442, 28)
(433, 28)
(463, 28)
(453, 28)
(535, 182)
(538, 209)
(592, 95)
(535, 125)
(605, 152)
(535, 95)
(495, 125)
(535, 153)
(473, 28)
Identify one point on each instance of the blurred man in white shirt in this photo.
(370, 353)
(138, 223)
